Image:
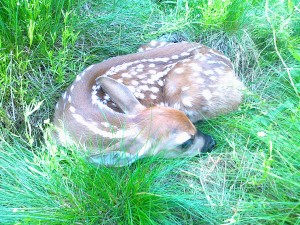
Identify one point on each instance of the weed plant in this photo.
(253, 175)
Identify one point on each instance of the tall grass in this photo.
(60, 187)
(252, 177)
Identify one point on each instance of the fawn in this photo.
(143, 104)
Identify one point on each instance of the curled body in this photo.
(143, 104)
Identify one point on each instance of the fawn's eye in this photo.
(181, 137)
(188, 143)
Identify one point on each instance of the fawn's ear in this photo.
(121, 95)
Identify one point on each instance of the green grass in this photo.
(252, 177)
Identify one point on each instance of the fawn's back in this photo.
(189, 77)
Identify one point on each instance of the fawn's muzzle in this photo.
(209, 142)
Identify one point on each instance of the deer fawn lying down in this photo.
(142, 104)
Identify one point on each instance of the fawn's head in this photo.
(158, 130)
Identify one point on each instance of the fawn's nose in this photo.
(209, 142)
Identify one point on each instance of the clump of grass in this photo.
(115, 28)
(37, 55)
(60, 187)
(25, 24)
